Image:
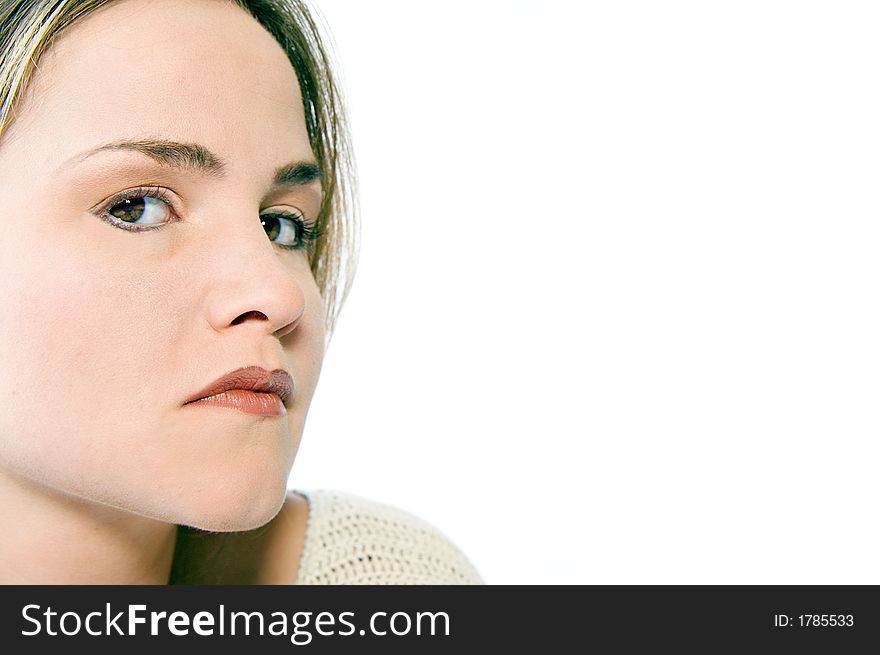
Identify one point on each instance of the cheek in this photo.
(75, 351)
(304, 349)
(84, 324)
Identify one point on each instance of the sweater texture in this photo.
(353, 541)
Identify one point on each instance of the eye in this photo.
(143, 210)
(288, 230)
(138, 209)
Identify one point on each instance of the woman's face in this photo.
(107, 332)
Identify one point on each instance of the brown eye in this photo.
(141, 210)
(272, 225)
(287, 230)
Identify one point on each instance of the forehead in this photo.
(196, 70)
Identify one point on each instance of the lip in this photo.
(247, 379)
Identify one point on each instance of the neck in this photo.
(53, 538)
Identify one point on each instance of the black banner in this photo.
(439, 618)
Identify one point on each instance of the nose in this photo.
(250, 281)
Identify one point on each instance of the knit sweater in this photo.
(350, 540)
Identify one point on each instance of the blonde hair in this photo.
(29, 27)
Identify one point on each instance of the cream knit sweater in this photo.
(350, 540)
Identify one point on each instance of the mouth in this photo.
(251, 389)
(249, 402)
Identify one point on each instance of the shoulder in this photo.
(352, 540)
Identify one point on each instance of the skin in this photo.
(106, 333)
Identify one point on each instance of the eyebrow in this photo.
(196, 157)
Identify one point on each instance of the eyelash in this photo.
(305, 234)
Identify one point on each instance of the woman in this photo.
(176, 243)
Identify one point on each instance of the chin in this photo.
(226, 498)
(229, 489)
(237, 509)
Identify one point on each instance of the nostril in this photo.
(251, 314)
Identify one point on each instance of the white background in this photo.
(616, 317)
